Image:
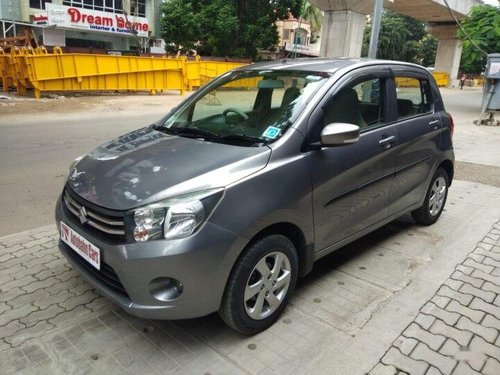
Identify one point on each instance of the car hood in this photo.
(146, 166)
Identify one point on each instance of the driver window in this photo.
(360, 104)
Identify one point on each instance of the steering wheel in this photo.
(242, 114)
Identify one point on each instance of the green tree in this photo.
(482, 25)
(233, 28)
(315, 17)
(402, 38)
(218, 27)
(179, 26)
(427, 48)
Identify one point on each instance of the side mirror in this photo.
(339, 134)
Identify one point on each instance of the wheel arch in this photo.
(447, 165)
(305, 252)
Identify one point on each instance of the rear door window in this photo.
(413, 96)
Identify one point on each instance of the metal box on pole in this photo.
(491, 91)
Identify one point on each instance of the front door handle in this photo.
(388, 141)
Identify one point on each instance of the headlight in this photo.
(72, 165)
(172, 218)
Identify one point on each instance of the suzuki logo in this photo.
(82, 214)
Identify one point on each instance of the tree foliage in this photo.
(427, 48)
(402, 38)
(482, 24)
(314, 16)
(232, 28)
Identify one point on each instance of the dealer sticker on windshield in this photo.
(271, 132)
(84, 248)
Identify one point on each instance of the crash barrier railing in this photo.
(28, 68)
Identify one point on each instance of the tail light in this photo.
(452, 124)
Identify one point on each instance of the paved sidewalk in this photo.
(346, 315)
(458, 330)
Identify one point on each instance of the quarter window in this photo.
(413, 96)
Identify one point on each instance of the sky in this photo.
(492, 2)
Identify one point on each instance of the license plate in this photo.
(84, 248)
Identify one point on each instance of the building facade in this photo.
(295, 39)
(110, 25)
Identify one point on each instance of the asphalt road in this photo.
(36, 149)
(35, 152)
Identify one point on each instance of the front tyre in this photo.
(435, 199)
(260, 285)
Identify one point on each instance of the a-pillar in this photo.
(449, 50)
(342, 34)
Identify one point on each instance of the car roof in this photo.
(321, 64)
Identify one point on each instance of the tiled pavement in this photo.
(53, 322)
(458, 330)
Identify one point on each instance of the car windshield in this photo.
(247, 108)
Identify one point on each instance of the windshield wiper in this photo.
(207, 134)
(243, 137)
(196, 132)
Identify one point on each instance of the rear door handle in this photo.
(386, 142)
(434, 124)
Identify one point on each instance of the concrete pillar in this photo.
(342, 34)
(449, 50)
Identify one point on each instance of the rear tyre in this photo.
(260, 285)
(435, 199)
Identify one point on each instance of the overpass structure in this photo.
(345, 21)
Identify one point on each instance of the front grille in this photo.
(106, 274)
(102, 222)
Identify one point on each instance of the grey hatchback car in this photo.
(234, 194)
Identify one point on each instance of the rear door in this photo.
(351, 184)
(418, 129)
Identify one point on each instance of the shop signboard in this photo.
(310, 50)
(92, 20)
(40, 18)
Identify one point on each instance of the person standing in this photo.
(462, 81)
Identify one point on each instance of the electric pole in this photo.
(377, 15)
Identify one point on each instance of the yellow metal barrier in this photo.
(13, 69)
(407, 82)
(28, 68)
(21, 82)
(8, 67)
(201, 72)
(442, 79)
(3, 69)
(85, 72)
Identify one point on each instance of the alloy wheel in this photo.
(267, 285)
(437, 196)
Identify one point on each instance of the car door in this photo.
(418, 130)
(351, 183)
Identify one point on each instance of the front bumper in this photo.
(202, 264)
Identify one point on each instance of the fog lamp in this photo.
(141, 233)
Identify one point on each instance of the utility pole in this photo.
(377, 15)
